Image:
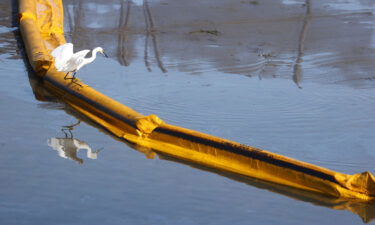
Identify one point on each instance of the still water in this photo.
(293, 77)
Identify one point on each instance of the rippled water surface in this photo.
(293, 77)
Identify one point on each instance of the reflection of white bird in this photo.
(67, 61)
(69, 147)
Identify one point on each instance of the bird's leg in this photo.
(63, 130)
(71, 134)
(65, 78)
(75, 82)
(74, 79)
(70, 78)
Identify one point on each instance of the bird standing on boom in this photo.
(68, 62)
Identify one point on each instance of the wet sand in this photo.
(261, 40)
(292, 77)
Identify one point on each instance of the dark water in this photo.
(293, 77)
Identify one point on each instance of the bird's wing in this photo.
(81, 54)
(78, 59)
(62, 54)
(74, 62)
(63, 51)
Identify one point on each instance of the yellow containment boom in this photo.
(41, 23)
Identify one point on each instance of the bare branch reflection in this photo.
(147, 63)
(75, 20)
(150, 30)
(297, 70)
(122, 49)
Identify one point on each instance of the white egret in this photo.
(68, 62)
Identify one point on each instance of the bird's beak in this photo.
(105, 54)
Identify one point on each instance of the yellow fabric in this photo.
(147, 124)
(42, 28)
(27, 15)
